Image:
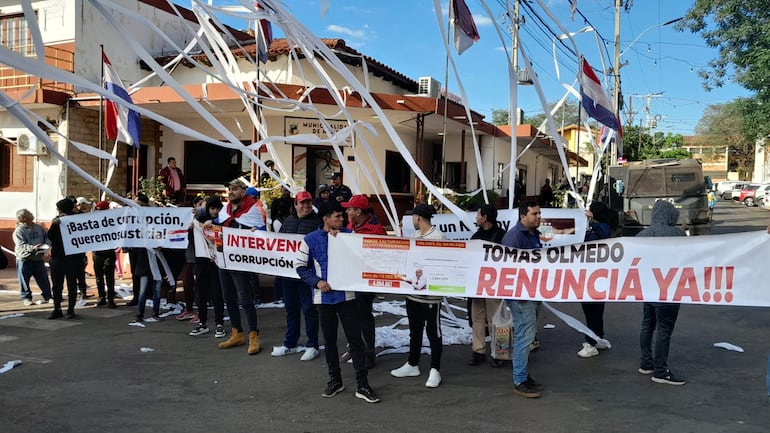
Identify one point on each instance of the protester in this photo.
(208, 287)
(104, 270)
(189, 282)
(280, 209)
(659, 317)
(362, 221)
(30, 245)
(524, 235)
(323, 196)
(423, 311)
(83, 205)
(141, 200)
(483, 309)
(333, 306)
(63, 267)
(174, 184)
(241, 212)
(145, 274)
(265, 177)
(598, 228)
(298, 296)
(546, 194)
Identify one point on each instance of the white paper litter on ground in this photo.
(146, 349)
(453, 329)
(137, 324)
(549, 326)
(578, 326)
(728, 346)
(275, 304)
(124, 291)
(150, 320)
(9, 365)
(81, 303)
(11, 316)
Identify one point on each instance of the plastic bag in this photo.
(502, 333)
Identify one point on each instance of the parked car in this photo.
(724, 186)
(746, 195)
(761, 195)
(735, 193)
(727, 192)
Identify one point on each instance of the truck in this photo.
(636, 186)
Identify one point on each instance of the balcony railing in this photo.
(14, 80)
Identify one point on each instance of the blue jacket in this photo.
(520, 237)
(313, 266)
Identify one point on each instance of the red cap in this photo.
(359, 201)
(302, 196)
(102, 205)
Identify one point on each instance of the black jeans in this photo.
(104, 270)
(65, 269)
(660, 318)
(424, 316)
(365, 301)
(594, 312)
(208, 291)
(349, 315)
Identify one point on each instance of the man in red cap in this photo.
(298, 296)
(362, 221)
(104, 270)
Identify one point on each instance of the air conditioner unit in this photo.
(28, 144)
(429, 86)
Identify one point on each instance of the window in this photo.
(15, 35)
(208, 163)
(16, 172)
(397, 172)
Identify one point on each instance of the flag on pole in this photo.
(121, 123)
(465, 30)
(595, 101)
(264, 32)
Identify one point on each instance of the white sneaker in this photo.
(406, 370)
(310, 354)
(603, 344)
(588, 351)
(434, 379)
(28, 302)
(282, 350)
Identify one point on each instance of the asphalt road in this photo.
(89, 375)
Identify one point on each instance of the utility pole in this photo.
(616, 70)
(513, 117)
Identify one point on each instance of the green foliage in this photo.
(500, 116)
(471, 202)
(568, 114)
(153, 188)
(675, 154)
(735, 123)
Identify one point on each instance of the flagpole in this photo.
(101, 114)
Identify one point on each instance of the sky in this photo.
(405, 35)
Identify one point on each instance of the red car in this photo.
(748, 194)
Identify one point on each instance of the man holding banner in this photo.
(524, 235)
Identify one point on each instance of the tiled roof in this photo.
(280, 47)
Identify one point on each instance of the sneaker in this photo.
(282, 350)
(434, 379)
(645, 371)
(55, 314)
(157, 317)
(102, 302)
(367, 393)
(112, 305)
(525, 389)
(28, 302)
(534, 345)
(139, 318)
(310, 354)
(333, 388)
(185, 315)
(477, 358)
(537, 386)
(195, 318)
(406, 370)
(70, 316)
(588, 351)
(132, 303)
(495, 363)
(220, 332)
(199, 330)
(668, 379)
(602, 345)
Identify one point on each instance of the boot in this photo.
(253, 342)
(236, 339)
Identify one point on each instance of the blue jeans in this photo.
(236, 287)
(524, 330)
(25, 270)
(660, 318)
(298, 297)
(144, 284)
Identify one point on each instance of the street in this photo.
(89, 375)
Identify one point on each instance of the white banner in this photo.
(131, 226)
(557, 226)
(670, 269)
(261, 251)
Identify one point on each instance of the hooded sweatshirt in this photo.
(664, 218)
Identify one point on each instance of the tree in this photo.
(738, 28)
(728, 123)
(500, 116)
(566, 115)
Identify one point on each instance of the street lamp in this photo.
(667, 23)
